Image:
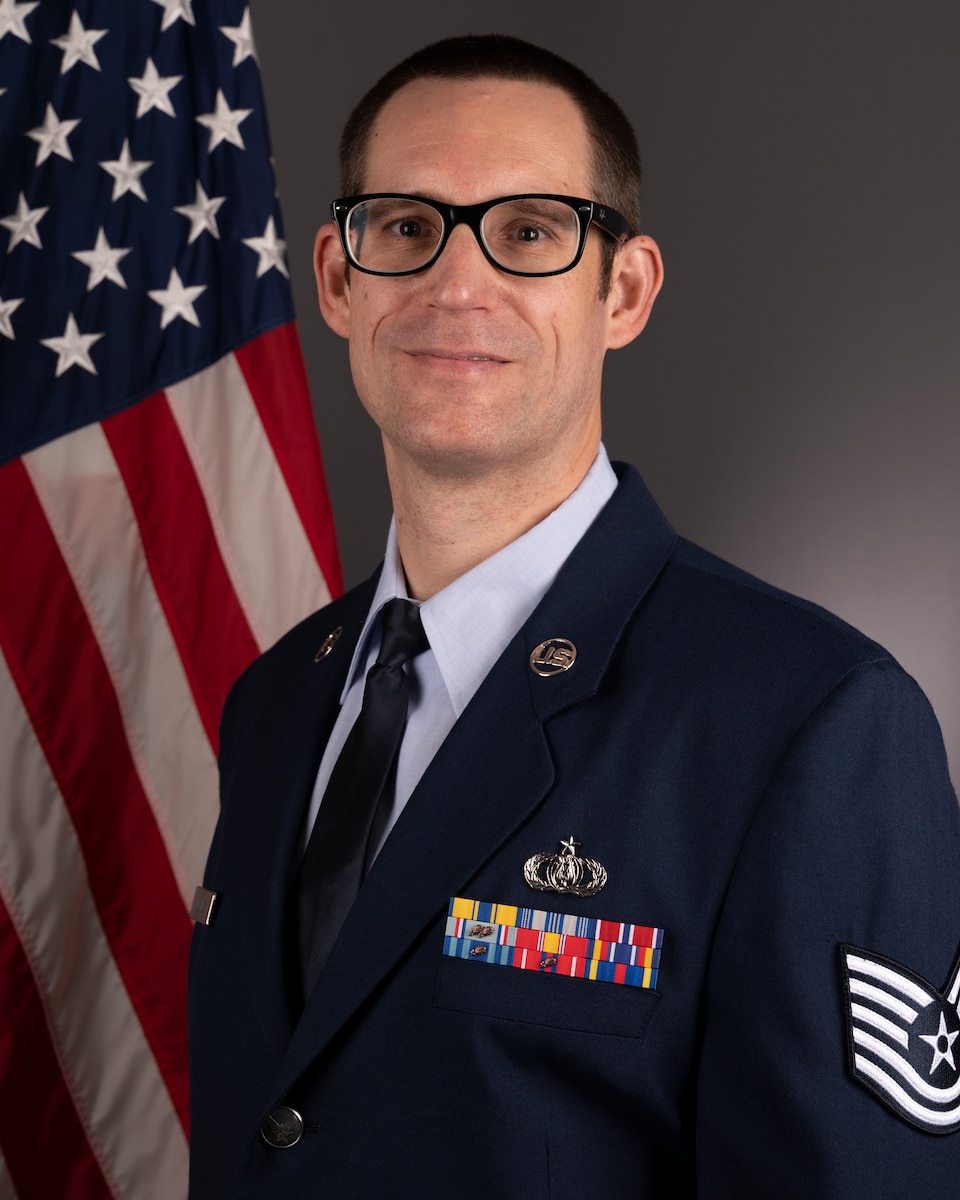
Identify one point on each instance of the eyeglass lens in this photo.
(530, 235)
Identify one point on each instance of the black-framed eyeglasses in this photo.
(386, 233)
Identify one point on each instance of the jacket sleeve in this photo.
(856, 841)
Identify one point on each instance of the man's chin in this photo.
(472, 454)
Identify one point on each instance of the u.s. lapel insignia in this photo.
(553, 657)
(566, 873)
(902, 1038)
(328, 644)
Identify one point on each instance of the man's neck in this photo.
(448, 525)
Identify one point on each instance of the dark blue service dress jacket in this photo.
(763, 793)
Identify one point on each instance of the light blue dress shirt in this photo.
(469, 624)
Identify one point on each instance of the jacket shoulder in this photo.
(740, 605)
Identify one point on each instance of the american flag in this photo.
(163, 518)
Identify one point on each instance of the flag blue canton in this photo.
(140, 234)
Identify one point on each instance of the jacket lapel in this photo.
(495, 767)
(301, 714)
(458, 815)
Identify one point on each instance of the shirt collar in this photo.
(470, 622)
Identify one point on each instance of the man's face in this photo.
(464, 368)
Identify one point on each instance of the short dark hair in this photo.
(616, 160)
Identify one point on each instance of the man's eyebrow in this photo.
(535, 205)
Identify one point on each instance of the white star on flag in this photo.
(7, 309)
(173, 10)
(126, 173)
(933, 1039)
(51, 136)
(77, 45)
(271, 250)
(154, 90)
(202, 213)
(103, 262)
(177, 300)
(13, 17)
(73, 349)
(23, 224)
(224, 123)
(242, 37)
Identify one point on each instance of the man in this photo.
(661, 893)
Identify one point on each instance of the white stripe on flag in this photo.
(7, 1191)
(85, 501)
(256, 523)
(107, 1064)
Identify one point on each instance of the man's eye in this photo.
(528, 233)
(409, 228)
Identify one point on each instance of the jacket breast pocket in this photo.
(561, 1002)
(554, 969)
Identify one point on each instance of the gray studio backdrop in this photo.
(794, 403)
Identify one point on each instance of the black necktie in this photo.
(332, 867)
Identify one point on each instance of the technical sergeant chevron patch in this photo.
(902, 1038)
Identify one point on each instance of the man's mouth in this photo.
(456, 355)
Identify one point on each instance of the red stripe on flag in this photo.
(43, 1140)
(207, 623)
(63, 682)
(272, 365)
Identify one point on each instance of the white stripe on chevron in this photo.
(890, 978)
(868, 1017)
(906, 1071)
(879, 996)
(934, 1117)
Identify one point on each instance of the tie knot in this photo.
(403, 635)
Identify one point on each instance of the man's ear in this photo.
(635, 280)
(333, 290)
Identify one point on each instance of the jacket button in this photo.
(282, 1128)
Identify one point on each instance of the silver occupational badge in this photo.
(566, 873)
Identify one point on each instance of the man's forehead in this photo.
(486, 126)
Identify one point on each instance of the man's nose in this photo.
(463, 277)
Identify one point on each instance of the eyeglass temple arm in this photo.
(611, 222)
